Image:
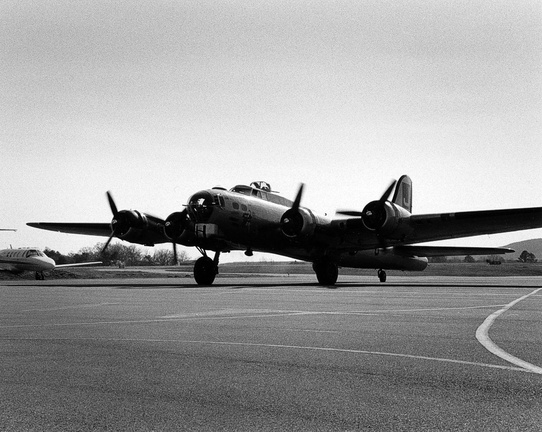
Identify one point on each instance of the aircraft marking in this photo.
(482, 334)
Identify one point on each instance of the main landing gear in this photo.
(382, 275)
(327, 272)
(40, 276)
(206, 269)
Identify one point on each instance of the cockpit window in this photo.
(31, 253)
(245, 190)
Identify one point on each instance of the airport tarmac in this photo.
(271, 353)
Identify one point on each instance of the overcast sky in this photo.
(157, 100)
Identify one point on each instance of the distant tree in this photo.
(119, 254)
(438, 259)
(527, 257)
(469, 259)
(57, 256)
(162, 257)
(494, 259)
(165, 257)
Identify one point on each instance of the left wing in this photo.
(404, 229)
(464, 224)
(390, 222)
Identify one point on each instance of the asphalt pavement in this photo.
(271, 354)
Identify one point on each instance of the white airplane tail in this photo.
(403, 193)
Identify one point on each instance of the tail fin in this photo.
(403, 193)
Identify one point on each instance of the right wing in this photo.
(94, 229)
(148, 235)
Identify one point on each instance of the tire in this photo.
(327, 272)
(205, 271)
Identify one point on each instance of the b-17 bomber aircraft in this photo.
(384, 235)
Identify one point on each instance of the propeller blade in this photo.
(298, 197)
(388, 192)
(353, 213)
(108, 241)
(175, 262)
(112, 204)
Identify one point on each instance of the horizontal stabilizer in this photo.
(432, 251)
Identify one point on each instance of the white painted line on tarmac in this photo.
(70, 307)
(279, 346)
(482, 334)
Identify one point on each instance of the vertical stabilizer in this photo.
(403, 193)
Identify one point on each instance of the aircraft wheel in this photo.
(205, 271)
(382, 275)
(326, 272)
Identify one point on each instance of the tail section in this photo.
(403, 193)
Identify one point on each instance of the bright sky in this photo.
(157, 100)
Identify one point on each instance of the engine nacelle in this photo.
(386, 218)
(176, 224)
(297, 223)
(128, 219)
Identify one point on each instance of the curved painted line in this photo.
(296, 347)
(483, 337)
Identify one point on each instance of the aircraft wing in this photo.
(443, 226)
(149, 235)
(95, 229)
(79, 264)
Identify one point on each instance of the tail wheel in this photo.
(205, 271)
(327, 272)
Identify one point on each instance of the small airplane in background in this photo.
(30, 259)
(384, 235)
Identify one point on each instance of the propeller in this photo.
(175, 262)
(374, 213)
(122, 220)
(174, 226)
(292, 220)
(115, 212)
(297, 200)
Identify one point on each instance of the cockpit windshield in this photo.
(34, 252)
(245, 190)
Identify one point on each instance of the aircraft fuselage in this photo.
(19, 260)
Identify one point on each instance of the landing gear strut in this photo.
(40, 276)
(382, 275)
(327, 272)
(206, 269)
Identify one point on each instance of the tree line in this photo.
(119, 254)
(524, 257)
(133, 255)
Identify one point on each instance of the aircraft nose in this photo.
(51, 264)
